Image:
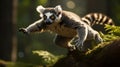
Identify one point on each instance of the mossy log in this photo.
(104, 55)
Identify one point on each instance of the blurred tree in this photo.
(6, 29)
(7, 34)
(14, 32)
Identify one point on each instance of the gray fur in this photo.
(67, 26)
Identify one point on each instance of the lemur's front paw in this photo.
(72, 48)
(23, 30)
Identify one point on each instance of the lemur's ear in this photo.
(58, 8)
(40, 9)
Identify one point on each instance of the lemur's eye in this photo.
(52, 17)
(44, 16)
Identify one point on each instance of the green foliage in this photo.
(115, 30)
(113, 33)
(46, 57)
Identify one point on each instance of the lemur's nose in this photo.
(48, 22)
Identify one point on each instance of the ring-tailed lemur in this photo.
(66, 24)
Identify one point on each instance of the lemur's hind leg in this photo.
(64, 42)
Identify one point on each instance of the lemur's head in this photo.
(50, 15)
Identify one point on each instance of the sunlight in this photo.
(70, 4)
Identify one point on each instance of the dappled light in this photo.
(70, 4)
(20, 48)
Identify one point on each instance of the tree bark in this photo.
(108, 55)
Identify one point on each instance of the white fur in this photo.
(58, 8)
(40, 9)
(48, 14)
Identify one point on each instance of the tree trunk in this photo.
(8, 32)
(6, 29)
(14, 34)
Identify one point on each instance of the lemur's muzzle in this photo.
(48, 21)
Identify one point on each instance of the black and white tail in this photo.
(97, 18)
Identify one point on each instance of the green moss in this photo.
(47, 58)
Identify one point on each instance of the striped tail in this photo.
(97, 18)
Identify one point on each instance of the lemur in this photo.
(65, 24)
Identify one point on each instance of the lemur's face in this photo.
(50, 15)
